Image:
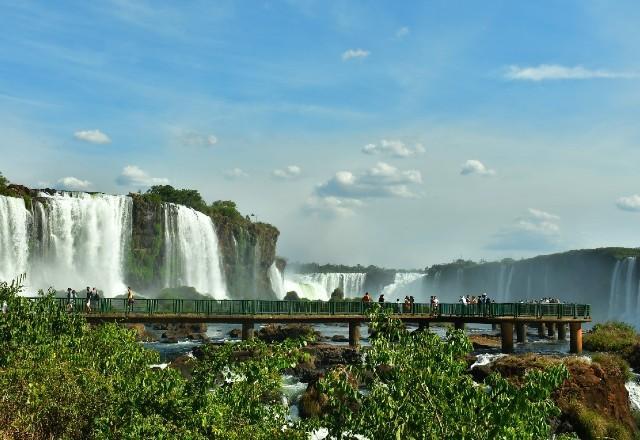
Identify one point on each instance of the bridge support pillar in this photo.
(551, 330)
(494, 326)
(354, 333)
(562, 331)
(507, 337)
(521, 332)
(575, 335)
(541, 329)
(459, 325)
(247, 331)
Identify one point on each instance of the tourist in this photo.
(95, 298)
(87, 305)
(398, 306)
(412, 301)
(407, 305)
(381, 299)
(130, 299)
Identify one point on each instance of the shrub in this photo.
(610, 336)
(591, 425)
(613, 364)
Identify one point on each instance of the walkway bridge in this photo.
(551, 319)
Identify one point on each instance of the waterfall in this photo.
(500, 291)
(192, 257)
(277, 281)
(320, 285)
(14, 238)
(623, 297)
(405, 284)
(81, 241)
(507, 289)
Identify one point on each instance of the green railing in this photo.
(266, 307)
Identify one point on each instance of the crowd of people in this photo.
(407, 306)
(472, 299)
(91, 295)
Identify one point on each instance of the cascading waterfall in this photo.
(14, 238)
(352, 284)
(81, 241)
(191, 251)
(277, 281)
(405, 284)
(623, 296)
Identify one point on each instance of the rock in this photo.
(339, 338)
(185, 365)
(481, 342)
(278, 333)
(291, 296)
(186, 331)
(235, 333)
(142, 334)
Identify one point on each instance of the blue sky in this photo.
(391, 133)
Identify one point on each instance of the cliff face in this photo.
(247, 250)
(606, 278)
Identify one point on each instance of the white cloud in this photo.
(473, 166)
(132, 175)
(189, 138)
(354, 53)
(393, 148)
(289, 173)
(629, 203)
(538, 230)
(380, 181)
(402, 32)
(73, 183)
(92, 136)
(331, 206)
(235, 173)
(544, 72)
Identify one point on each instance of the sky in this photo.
(401, 134)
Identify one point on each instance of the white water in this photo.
(82, 241)
(405, 284)
(192, 255)
(277, 281)
(623, 295)
(14, 238)
(319, 286)
(633, 387)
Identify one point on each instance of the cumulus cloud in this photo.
(544, 72)
(235, 174)
(189, 138)
(629, 203)
(354, 54)
(402, 32)
(73, 183)
(473, 166)
(289, 173)
(92, 136)
(330, 206)
(393, 148)
(132, 175)
(381, 181)
(535, 231)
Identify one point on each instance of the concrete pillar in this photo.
(521, 332)
(575, 335)
(507, 337)
(551, 330)
(459, 325)
(541, 329)
(562, 331)
(354, 333)
(247, 330)
(494, 326)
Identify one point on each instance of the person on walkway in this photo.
(130, 299)
(406, 308)
(398, 306)
(381, 299)
(412, 301)
(366, 298)
(69, 295)
(87, 304)
(95, 299)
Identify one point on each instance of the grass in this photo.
(591, 425)
(614, 365)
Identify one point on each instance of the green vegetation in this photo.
(591, 425)
(60, 378)
(614, 365)
(3, 184)
(611, 336)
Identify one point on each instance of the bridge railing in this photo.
(276, 307)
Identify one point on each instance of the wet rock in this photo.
(142, 334)
(339, 338)
(185, 365)
(278, 333)
(481, 342)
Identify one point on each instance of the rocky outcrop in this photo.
(593, 399)
(279, 333)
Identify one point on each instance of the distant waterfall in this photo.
(623, 296)
(191, 251)
(14, 238)
(81, 240)
(352, 284)
(406, 284)
(277, 281)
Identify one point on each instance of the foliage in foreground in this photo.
(419, 388)
(59, 378)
